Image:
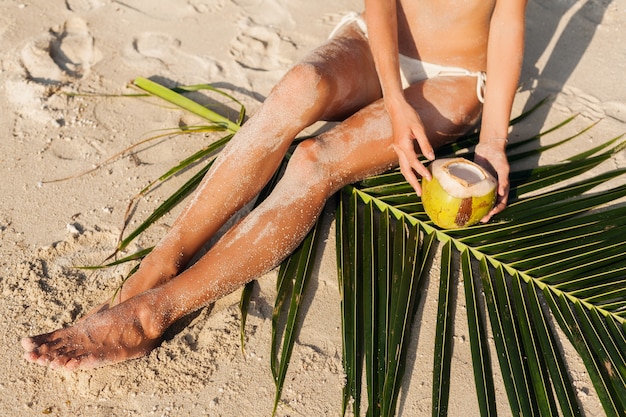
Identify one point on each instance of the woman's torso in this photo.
(446, 32)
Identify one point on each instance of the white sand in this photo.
(47, 47)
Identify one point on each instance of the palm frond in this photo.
(559, 244)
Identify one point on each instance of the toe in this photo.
(28, 344)
(42, 360)
(84, 362)
(31, 356)
(60, 362)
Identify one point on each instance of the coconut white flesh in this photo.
(461, 178)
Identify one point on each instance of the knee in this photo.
(462, 119)
(467, 114)
(307, 76)
(459, 118)
(448, 125)
(308, 169)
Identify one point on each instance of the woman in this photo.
(406, 77)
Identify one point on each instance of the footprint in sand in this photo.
(69, 51)
(82, 6)
(74, 49)
(170, 10)
(207, 6)
(260, 48)
(39, 65)
(161, 52)
(572, 100)
(616, 110)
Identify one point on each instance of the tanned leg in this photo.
(360, 146)
(321, 87)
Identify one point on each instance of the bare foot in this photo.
(126, 331)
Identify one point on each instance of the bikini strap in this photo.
(481, 82)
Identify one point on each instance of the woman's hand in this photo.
(491, 155)
(408, 131)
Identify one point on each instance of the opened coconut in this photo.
(459, 194)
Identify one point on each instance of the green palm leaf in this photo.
(293, 276)
(553, 258)
(478, 340)
(443, 336)
(563, 248)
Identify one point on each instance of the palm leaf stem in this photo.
(589, 228)
(443, 237)
(185, 103)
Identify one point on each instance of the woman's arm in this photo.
(504, 61)
(382, 26)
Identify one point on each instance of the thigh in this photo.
(448, 107)
(346, 66)
(362, 145)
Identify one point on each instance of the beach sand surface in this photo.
(64, 65)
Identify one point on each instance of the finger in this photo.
(500, 205)
(407, 155)
(421, 169)
(425, 147)
(503, 190)
(407, 171)
(409, 175)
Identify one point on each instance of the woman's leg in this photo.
(321, 87)
(358, 147)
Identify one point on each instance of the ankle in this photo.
(152, 314)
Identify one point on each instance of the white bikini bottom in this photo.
(413, 70)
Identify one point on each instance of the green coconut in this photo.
(459, 194)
